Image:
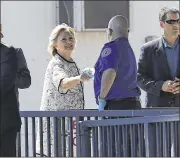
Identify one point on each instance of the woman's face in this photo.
(65, 42)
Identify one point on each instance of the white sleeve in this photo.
(58, 75)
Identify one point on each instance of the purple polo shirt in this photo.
(119, 56)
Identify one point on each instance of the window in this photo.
(98, 13)
(91, 15)
(66, 13)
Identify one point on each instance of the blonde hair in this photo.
(54, 35)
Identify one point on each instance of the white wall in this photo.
(27, 24)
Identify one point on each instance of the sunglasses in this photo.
(171, 21)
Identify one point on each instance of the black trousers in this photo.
(123, 104)
(8, 143)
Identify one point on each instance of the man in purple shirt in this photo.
(115, 79)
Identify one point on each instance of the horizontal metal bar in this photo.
(107, 113)
(128, 121)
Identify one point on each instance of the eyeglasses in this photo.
(172, 21)
(109, 30)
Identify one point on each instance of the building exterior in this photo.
(28, 24)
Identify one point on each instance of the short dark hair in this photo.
(164, 11)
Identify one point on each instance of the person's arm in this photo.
(9, 68)
(23, 79)
(145, 82)
(109, 65)
(109, 62)
(107, 81)
(62, 81)
(70, 82)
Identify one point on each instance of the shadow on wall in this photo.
(150, 38)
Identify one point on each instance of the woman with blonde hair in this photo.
(63, 84)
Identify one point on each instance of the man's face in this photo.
(171, 24)
(1, 35)
(109, 31)
(1, 32)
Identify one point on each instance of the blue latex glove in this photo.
(102, 104)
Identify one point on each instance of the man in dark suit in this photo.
(159, 70)
(10, 121)
(159, 63)
(23, 78)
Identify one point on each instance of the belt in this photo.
(123, 99)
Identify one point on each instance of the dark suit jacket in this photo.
(9, 111)
(23, 78)
(153, 71)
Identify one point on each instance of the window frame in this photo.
(79, 18)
